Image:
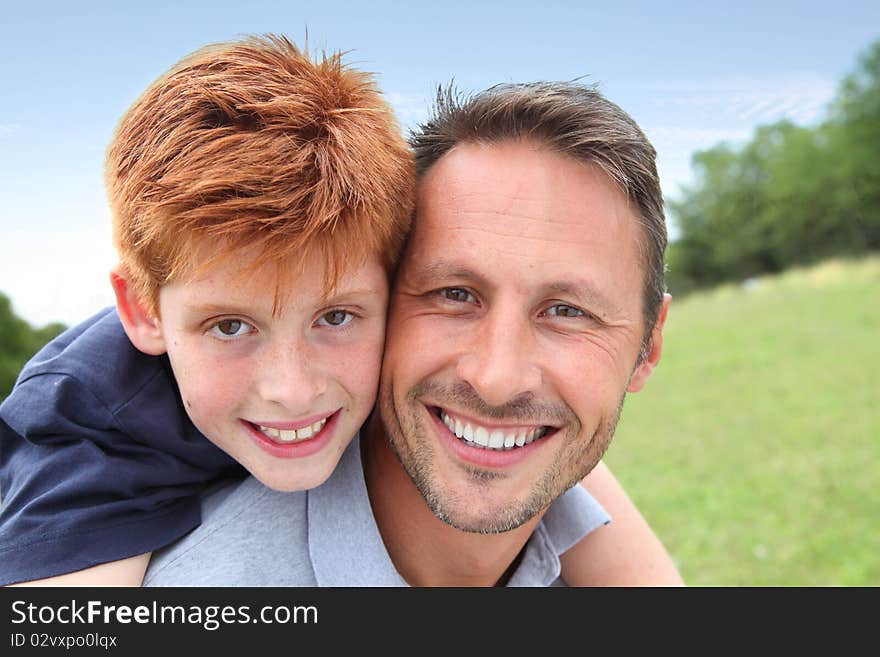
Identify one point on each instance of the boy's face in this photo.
(282, 394)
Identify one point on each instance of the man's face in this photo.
(514, 331)
(282, 393)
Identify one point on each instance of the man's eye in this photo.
(564, 310)
(231, 328)
(457, 294)
(335, 318)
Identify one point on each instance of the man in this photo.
(529, 300)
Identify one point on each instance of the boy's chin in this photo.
(289, 475)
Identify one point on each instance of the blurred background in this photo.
(755, 449)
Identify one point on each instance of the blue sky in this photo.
(691, 73)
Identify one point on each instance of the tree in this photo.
(18, 342)
(791, 195)
(854, 129)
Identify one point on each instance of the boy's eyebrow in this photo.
(212, 308)
(338, 296)
(236, 308)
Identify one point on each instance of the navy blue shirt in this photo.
(98, 459)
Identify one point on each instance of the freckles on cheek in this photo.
(192, 412)
(369, 372)
(193, 398)
(361, 368)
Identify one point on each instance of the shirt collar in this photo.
(345, 546)
(347, 550)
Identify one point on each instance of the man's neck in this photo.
(425, 550)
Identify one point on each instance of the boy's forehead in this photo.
(248, 271)
(211, 260)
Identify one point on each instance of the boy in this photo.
(259, 200)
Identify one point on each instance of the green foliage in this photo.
(791, 196)
(18, 342)
(753, 450)
(856, 124)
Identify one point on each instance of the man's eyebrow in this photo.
(443, 270)
(580, 290)
(585, 292)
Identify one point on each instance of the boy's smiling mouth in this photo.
(290, 436)
(297, 439)
(291, 432)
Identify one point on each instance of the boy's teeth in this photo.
(289, 436)
(496, 439)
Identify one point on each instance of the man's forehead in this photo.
(519, 178)
(526, 214)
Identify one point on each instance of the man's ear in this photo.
(141, 327)
(655, 348)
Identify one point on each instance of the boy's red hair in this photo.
(255, 144)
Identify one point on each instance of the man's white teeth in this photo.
(285, 436)
(498, 439)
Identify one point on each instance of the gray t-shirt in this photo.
(252, 535)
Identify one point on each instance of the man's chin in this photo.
(474, 512)
(484, 526)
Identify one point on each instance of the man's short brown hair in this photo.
(569, 118)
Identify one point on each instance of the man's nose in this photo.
(499, 363)
(289, 377)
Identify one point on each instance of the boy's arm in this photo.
(625, 552)
(70, 504)
(80, 489)
(125, 572)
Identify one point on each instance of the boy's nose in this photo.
(290, 378)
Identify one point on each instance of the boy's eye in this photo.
(457, 294)
(335, 318)
(231, 328)
(564, 310)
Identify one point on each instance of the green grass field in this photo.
(754, 450)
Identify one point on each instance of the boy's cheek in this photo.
(360, 372)
(203, 380)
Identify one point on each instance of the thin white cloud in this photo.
(677, 138)
(8, 128)
(676, 145)
(698, 115)
(799, 98)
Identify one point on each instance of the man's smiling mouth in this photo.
(506, 438)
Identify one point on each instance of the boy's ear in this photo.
(655, 348)
(144, 330)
